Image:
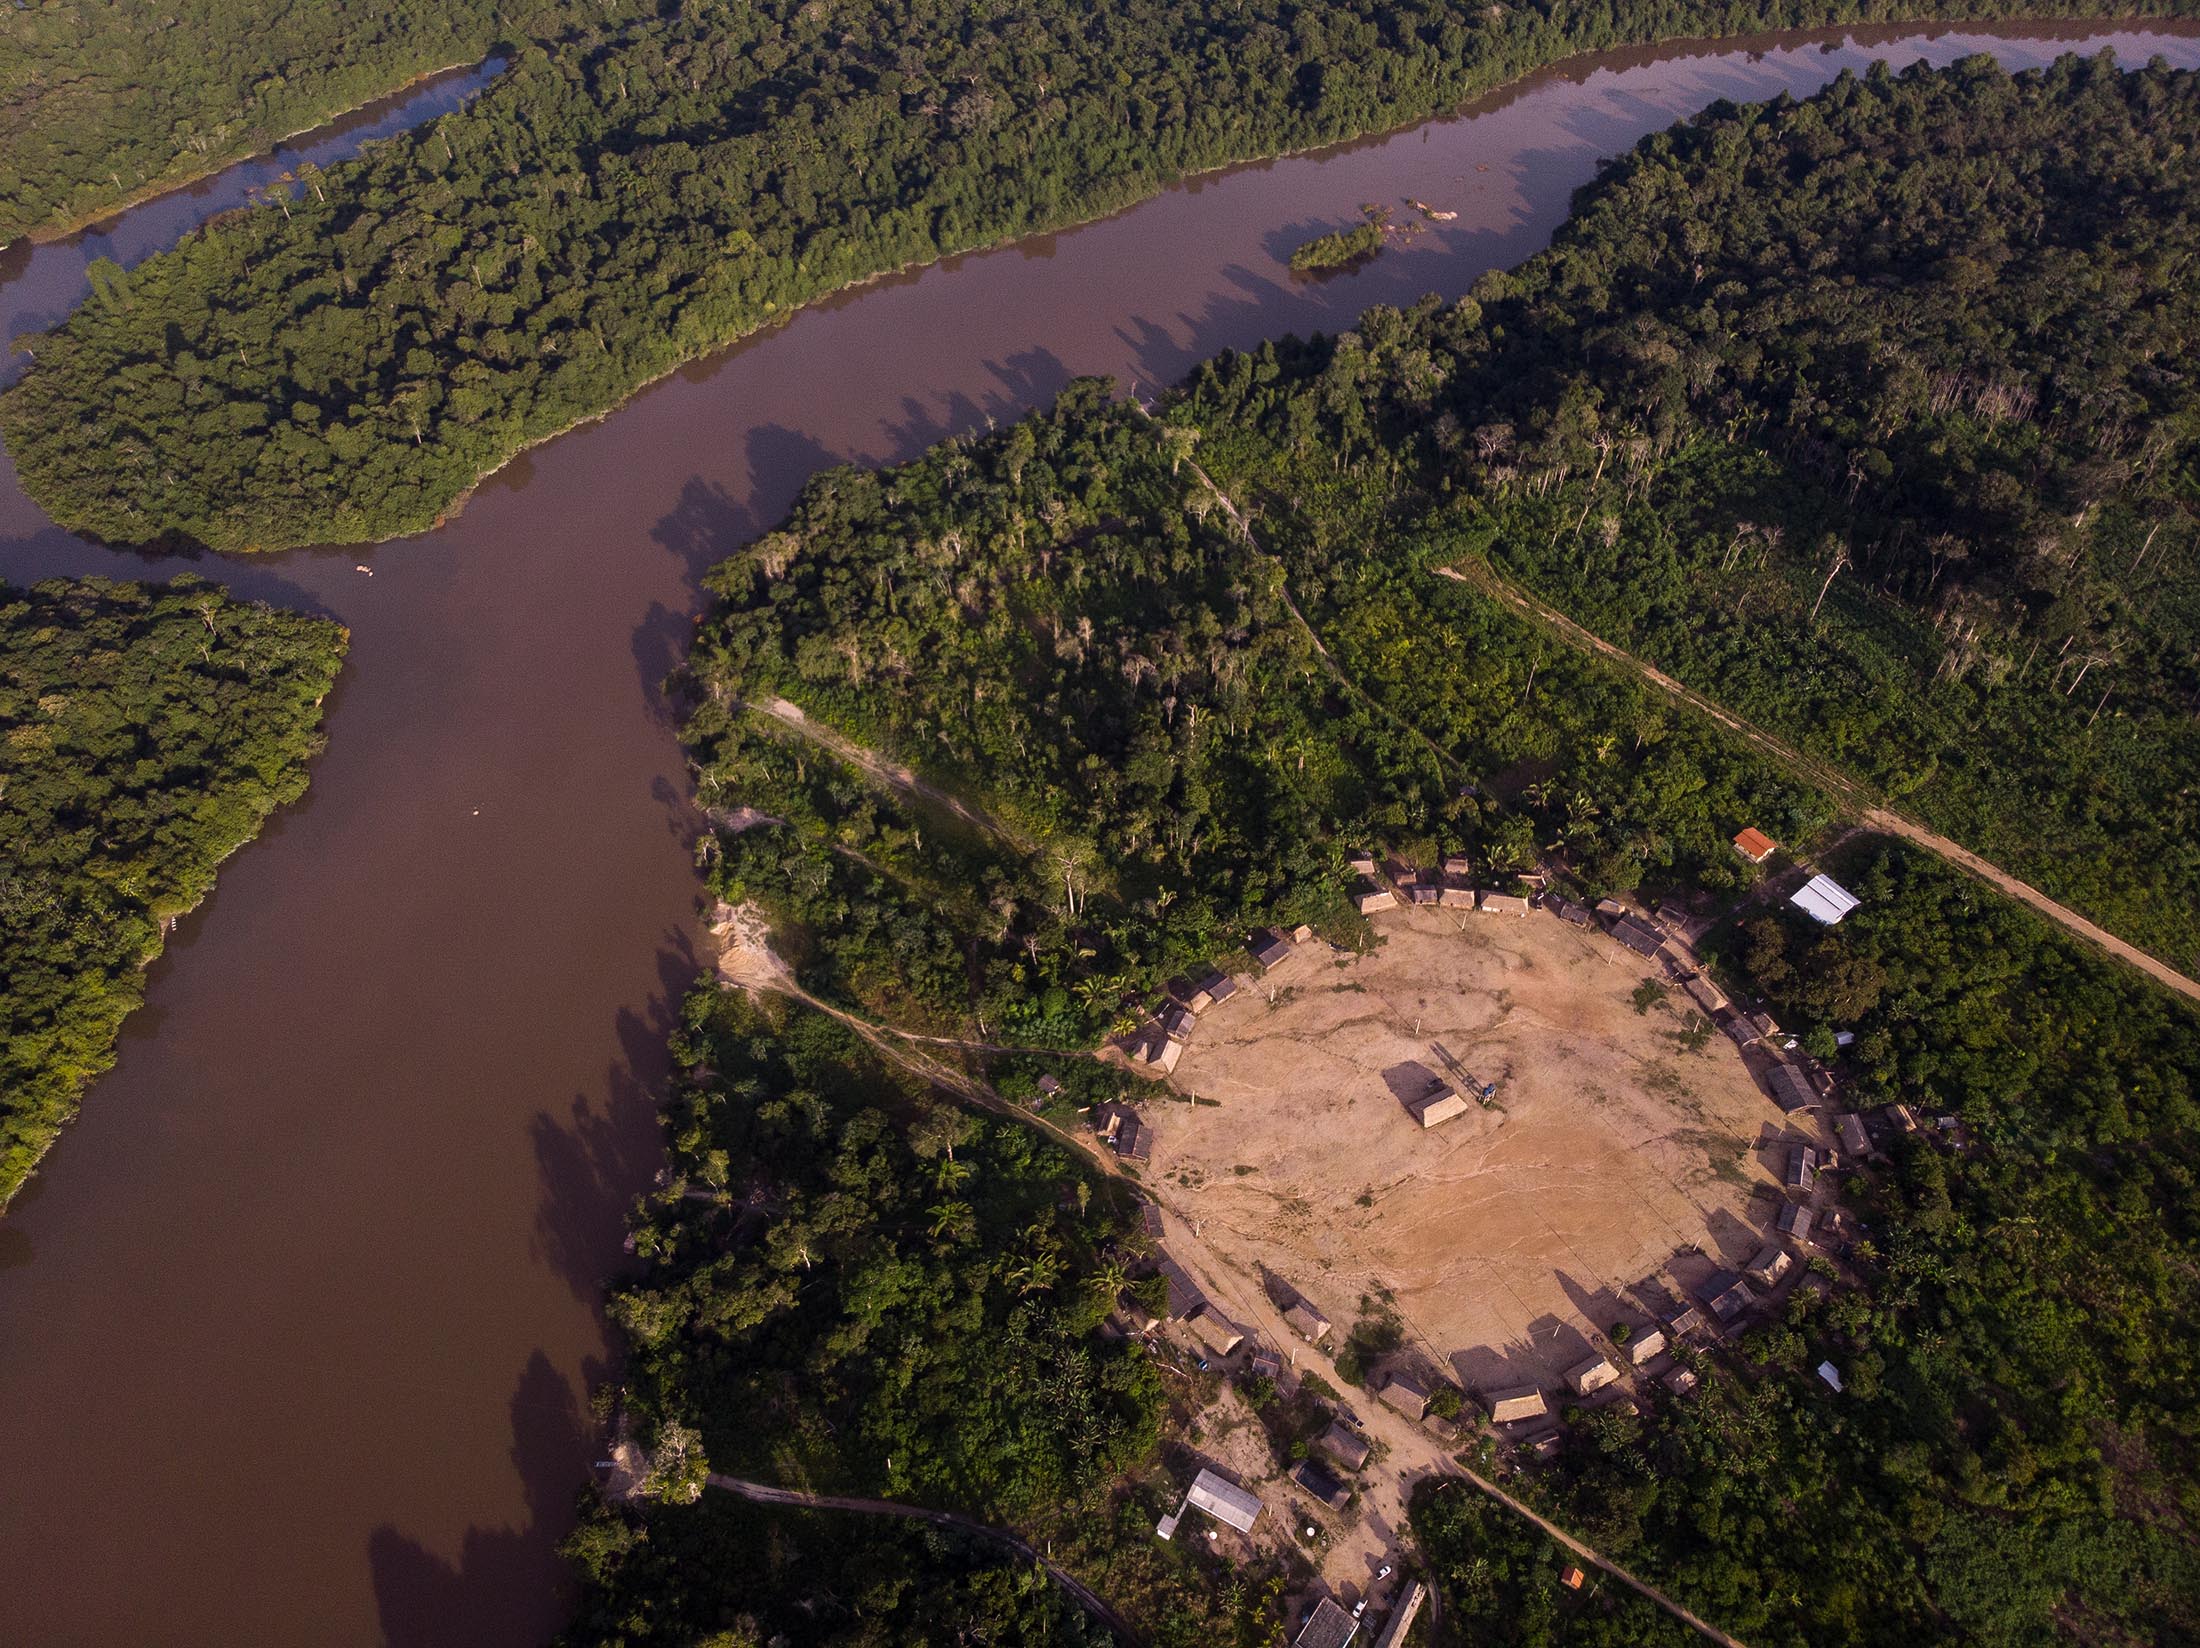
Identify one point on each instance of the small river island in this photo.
(1341, 249)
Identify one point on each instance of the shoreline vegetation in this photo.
(348, 366)
(1340, 249)
(260, 146)
(103, 112)
(1163, 736)
(146, 733)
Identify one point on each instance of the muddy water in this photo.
(296, 1326)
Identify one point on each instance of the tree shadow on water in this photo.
(1023, 380)
(507, 1585)
(598, 1158)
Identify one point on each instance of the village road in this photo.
(1413, 1453)
(1486, 578)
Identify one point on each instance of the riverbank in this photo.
(224, 706)
(335, 1228)
(356, 466)
(46, 234)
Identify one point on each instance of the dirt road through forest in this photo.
(1485, 578)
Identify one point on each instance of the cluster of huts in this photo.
(1200, 1318)
(1327, 1623)
(1528, 1408)
(1447, 886)
(1160, 1041)
(1797, 1082)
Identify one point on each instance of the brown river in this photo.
(298, 1323)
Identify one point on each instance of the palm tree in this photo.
(1041, 1271)
(952, 1221)
(1108, 1278)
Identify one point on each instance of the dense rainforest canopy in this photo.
(103, 101)
(145, 734)
(2015, 1455)
(639, 188)
(857, 1284)
(1063, 624)
(1863, 414)
(1162, 732)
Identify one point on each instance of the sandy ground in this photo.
(1609, 1157)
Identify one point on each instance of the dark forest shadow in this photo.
(426, 1601)
(1026, 379)
(593, 1163)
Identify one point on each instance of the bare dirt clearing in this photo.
(1608, 1153)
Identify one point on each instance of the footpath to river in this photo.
(297, 1323)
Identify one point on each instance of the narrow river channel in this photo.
(297, 1325)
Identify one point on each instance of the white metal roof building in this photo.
(1824, 899)
(1225, 1501)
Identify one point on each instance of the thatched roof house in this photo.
(1802, 1169)
(1645, 1346)
(1790, 1090)
(1772, 1262)
(1725, 1295)
(1509, 1407)
(1403, 1394)
(1216, 1331)
(1328, 1626)
(1307, 1322)
(1345, 1445)
(1442, 1103)
(1185, 1296)
(1591, 1376)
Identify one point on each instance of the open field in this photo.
(1610, 1152)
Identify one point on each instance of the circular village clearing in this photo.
(1487, 1121)
(1530, 1140)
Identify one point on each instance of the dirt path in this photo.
(764, 1494)
(1413, 1453)
(1652, 1593)
(1485, 578)
(1283, 587)
(747, 960)
(889, 773)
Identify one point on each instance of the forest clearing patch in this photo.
(1607, 1148)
